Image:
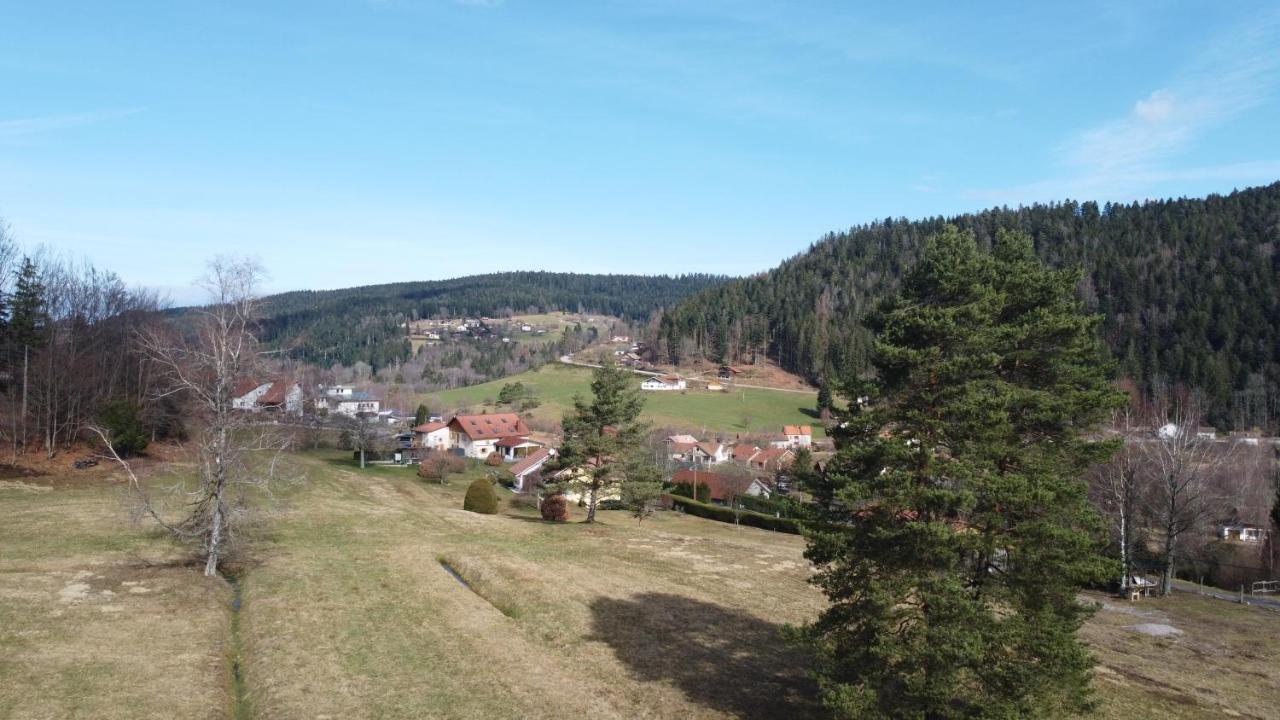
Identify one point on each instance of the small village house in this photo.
(432, 436)
(794, 436)
(478, 435)
(664, 382)
(772, 459)
(517, 447)
(723, 487)
(527, 467)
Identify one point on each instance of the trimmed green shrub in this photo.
(555, 508)
(481, 498)
(743, 517)
(686, 490)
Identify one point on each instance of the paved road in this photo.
(568, 360)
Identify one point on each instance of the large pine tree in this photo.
(600, 435)
(954, 531)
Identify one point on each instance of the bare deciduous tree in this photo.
(1185, 489)
(205, 368)
(1116, 489)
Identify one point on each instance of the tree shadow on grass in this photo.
(722, 659)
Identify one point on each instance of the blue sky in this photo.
(358, 142)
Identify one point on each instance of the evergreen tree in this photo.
(420, 415)
(599, 435)
(824, 397)
(27, 311)
(122, 419)
(953, 531)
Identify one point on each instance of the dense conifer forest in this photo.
(366, 324)
(1189, 290)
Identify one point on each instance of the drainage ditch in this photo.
(240, 704)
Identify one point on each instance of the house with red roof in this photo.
(276, 396)
(245, 394)
(794, 436)
(723, 486)
(478, 435)
(432, 436)
(772, 459)
(515, 447)
(528, 466)
(743, 452)
(664, 382)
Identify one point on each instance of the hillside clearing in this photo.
(348, 612)
(746, 410)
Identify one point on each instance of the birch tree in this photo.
(204, 367)
(1116, 488)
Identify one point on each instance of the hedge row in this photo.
(686, 490)
(743, 517)
(770, 506)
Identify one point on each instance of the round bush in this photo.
(493, 460)
(481, 498)
(555, 509)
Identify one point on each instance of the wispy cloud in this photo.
(20, 127)
(1125, 156)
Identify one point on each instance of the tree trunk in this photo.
(361, 458)
(591, 503)
(1124, 551)
(215, 542)
(1166, 584)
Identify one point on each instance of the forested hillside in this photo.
(365, 324)
(1190, 291)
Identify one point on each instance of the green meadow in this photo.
(746, 410)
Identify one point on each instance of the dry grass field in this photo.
(347, 611)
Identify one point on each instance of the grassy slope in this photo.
(767, 410)
(348, 613)
(96, 619)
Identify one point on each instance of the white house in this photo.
(529, 465)
(432, 435)
(277, 396)
(667, 382)
(713, 453)
(352, 403)
(478, 435)
(794, 436)
(516, 447)
(246, 393)
(282, 396)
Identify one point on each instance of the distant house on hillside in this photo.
(283, 396)
(277, 396)
(478, 435)
(1250, 527)
(245, 394)
(772, 459)
(665, 382)
(794, 436)
(728, 372)
(743, 452)
(724, 488)
(345, 400)
(713, 453)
